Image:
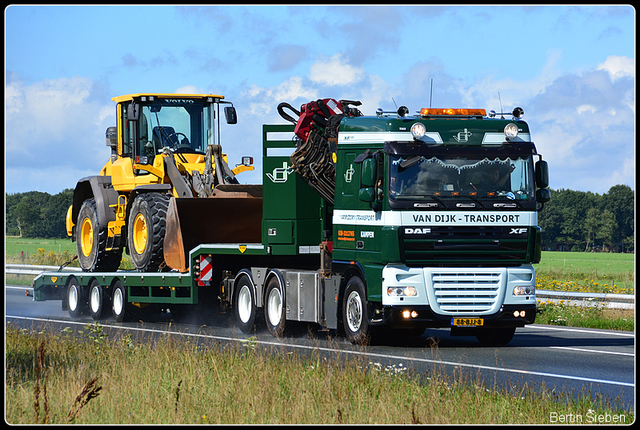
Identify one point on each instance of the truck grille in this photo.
(468, 245)
(466, 293)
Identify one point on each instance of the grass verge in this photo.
(60, 378)
(564, 314)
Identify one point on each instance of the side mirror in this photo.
(367, 194)
(112, 137)
(230, 115)
(133, 111)
(543, 195)
(542, 174)
(369, 174)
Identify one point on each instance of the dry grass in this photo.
(97, 380)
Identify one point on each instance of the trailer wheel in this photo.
(97, 299)
(274, 309)
(91, 241)
(245, 305)
(146, 229)
(495, 336)
(120, 306)
(354, 312)
(76, 300)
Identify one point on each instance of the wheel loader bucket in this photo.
(233, 214)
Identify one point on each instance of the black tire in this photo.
(98, 300)
(91, 241)
(146, 229)
(244, 305)
(495, 336)
(275, 307)
(354, 312)
(120, 307)
(76, 298)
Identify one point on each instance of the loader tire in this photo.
(146, 229)
(91, 242)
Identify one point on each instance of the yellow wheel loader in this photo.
(164, 147)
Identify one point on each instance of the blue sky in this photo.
(572, 69)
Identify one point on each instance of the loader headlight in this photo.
(409, 291)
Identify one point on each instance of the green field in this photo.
(587, 271)
(16, 246)
(588, 264)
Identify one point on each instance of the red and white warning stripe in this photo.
(206, 269)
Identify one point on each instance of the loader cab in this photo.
(181, 123)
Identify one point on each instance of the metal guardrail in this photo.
(617, 301)
(29, 269)
(620, 301)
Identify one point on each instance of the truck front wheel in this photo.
(146, 230)
(91, 241)
(354, 314)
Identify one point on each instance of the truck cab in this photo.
(436, 214)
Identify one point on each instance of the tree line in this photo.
(572, 220)
(585, 221)
(37, 214)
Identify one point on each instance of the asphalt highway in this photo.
(600, 363)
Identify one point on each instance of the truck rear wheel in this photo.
(97, 299)
(120, 306)
(274, 309)
(76, 300)
(245, 305)
(354, 312)
(91, 241)
(146, 230)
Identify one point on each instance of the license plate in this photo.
(467, 322)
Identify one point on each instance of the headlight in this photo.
(510, 131)
(402, 291)
(524, 290)
(418, 130)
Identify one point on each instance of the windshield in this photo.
(183, 125)
(418, 177)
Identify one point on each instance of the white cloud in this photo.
(190, 89)
(263, 101)
(54, 130)
(618, 67)
(335, 71)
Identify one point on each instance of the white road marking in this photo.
(594, 351)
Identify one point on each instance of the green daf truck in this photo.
(369, 225)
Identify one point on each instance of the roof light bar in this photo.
(452, 112)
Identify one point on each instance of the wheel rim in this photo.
(94, 298)
(86, 237)
(244, 304)
(140, 233)
(354, 311)
(118, 301)
(72, 298)
(274, 306)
